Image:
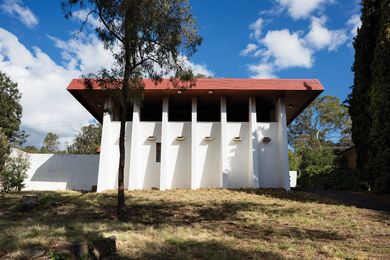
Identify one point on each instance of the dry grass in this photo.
(213, 224)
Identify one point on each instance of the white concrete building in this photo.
(228, 133)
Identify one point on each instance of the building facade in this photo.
(221, 133)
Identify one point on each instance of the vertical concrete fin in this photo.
(283, 146)
(223, 159)
(253, 146)
(195, 180)
(133, 180)
(106, 176)
(164, 145)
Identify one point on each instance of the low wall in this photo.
(62, 172)
(293, 179)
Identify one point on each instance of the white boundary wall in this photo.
(62, 172)
(194, 163)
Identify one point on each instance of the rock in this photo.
(106, 247)
(29, 201)
(33, 253)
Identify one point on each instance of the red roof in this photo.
(298, 93)
(223, 84)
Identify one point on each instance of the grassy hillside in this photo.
(214, 224)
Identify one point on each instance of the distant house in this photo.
(229, 133)
(350, 157)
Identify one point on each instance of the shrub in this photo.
(14, 172)
(329, 178)
(314, 176)
(4, 149)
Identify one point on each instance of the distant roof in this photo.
(298, 92)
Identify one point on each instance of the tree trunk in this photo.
(122, 154)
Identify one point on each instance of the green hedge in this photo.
(328, 177)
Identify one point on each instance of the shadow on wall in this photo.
(58, 172)
(182, 167)
(238, 159)
(209, 174)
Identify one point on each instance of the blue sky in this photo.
(241, 39)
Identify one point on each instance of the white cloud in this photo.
(47, 105)
(250, 48)
(256, 28)
(262, 70)
(85, 53)
(299, 9)
(84, 16)
(286, 49)
(320, 37)
(24, 14)
(280, 50)
(354, 23)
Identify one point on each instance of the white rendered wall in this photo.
(269, 174)
(208, 154)
(237, 155)
(148, 168)
(293, 179)
(62, 172)
(178, 171)
(281, 118)
(194, 163)
(109, 154)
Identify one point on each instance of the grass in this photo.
(185, 224)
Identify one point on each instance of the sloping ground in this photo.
(216, 224)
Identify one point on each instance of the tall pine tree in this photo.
(359, 100)
(370, 97)
(379, 138)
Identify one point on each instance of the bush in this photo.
(342, 179)
(4, 149)
(329, 178)
(314, 176)
(14, 172)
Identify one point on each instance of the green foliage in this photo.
(294, 160)
(88, 140)
(50, 143)
(325, 120)
(314, 176)
(370, 98)
(4, 149)
(323, 126)
(379, 136)
(31, 149)
(329, 177)
(317, 157)
(11, 110)
(14, 172)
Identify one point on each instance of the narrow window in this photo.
(158, 152)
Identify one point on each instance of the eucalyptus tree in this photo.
(147, 38)
(87, 140)
(11, 110)
(325, 121)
